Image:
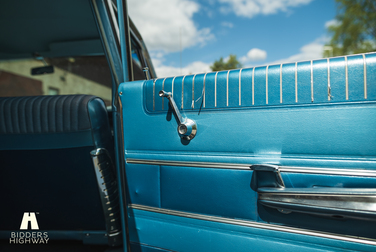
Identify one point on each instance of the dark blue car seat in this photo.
(56, 157)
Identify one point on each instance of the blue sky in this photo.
(259, 32)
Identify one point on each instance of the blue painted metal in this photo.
(307, 129)
(124, 39)
(112, 52)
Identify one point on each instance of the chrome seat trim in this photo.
(254, 224)
(109, 194)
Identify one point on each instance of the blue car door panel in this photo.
(284, 157)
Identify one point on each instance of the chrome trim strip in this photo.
(365, 75)
(114, 20)
(266, 85)
(280, 84)
(347, 78)
(189, 164)
(106, 43)
(329, 88)
(193, 92)
(215, 90)
(329, 171)
(204, 91)
(182, 93)
(163, 89)
(154, 94)
(253, 224)
(296, 81)
(253, 86)
(302, 61)
(330, 97)
(312, 99)
(228, 73)
(172, 86)
(294, 169)
(240, 87)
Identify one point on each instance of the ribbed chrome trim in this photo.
(280, 84)
(266, 85)
(240, 87)
(253, 224)
(347, 78)
(215, 90)
(228, 73)
(204, 91)
(108, 192)
(296, 81)
(317, 59)
(312, 99)
(329, 88)
(253, 86)
(365, 76)
(294, 169)
(193, 92)
(163, 89)
(182, 93)
(296, 73)
(172, 86)
(154, 94)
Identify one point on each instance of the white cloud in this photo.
(251, 8)
(161, 25)
(168, 71)
(227, 24)
(311, 51)
(333, 22)
(254, 54)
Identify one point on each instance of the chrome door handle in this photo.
(187, 128)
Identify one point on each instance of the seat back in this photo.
(56, 162)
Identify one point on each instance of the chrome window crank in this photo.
(187, 128)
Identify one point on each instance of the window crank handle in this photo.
(187, 128)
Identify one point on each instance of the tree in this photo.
(232, 63)
(355, 29)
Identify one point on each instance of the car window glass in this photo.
(71, 75)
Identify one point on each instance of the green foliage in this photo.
(356, 28)
(232, 63)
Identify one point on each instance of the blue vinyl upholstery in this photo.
(348, 78)
(45, 144)
(54, 121)
(315, 117)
